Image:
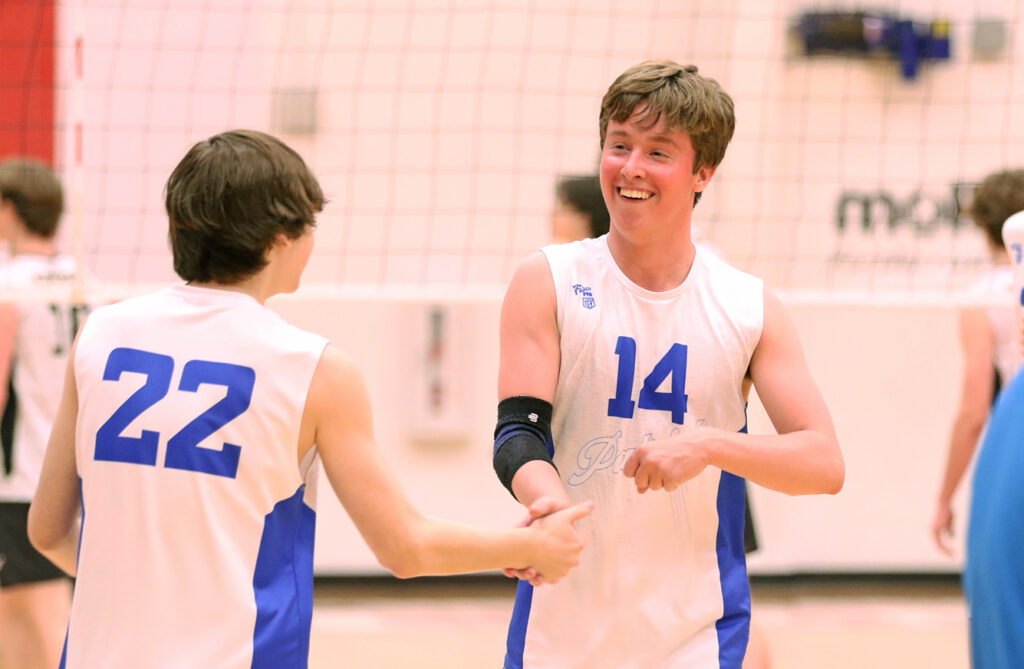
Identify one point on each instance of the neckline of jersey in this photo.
(213, 294)
(641, 292)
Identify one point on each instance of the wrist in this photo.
(533, 546)
(709, 444)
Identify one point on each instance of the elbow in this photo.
(42, 536)
(403, 558)
(401, 566)
(835, 476)
(825, 474)
(836, 480)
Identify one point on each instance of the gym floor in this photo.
(808, 623)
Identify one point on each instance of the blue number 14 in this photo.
(672, 364)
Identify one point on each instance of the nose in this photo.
(633, 169)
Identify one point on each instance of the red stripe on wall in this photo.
(27, 48)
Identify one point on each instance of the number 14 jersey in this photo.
(198, 520)
(662, 583)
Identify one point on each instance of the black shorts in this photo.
(749, 533)
(20, 562)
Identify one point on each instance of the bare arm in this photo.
(976, 340)
(53, 518)
(529, 360)
(338, 419)
(802, 459)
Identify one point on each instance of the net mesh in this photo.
(437, 130)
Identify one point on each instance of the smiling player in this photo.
(625, 366)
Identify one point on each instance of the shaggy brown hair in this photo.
(228, 200)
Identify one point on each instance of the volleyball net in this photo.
(437, 130)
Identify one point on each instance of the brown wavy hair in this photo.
(689, 102)
(228, 200)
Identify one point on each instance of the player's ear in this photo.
(704, 174)
(281, 241)
(277, 246)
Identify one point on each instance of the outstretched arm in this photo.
(803, 458)
(338, 420)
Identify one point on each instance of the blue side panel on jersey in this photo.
(516, 641)
(283, 585)
(517, 627)
(734, 625)
(994, 571)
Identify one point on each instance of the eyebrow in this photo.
(659, 138)
(665, 139)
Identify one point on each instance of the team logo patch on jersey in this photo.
(586, 295)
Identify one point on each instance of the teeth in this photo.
(635, 194)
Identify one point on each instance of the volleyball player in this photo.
(35, 338)
(625, 364)
(580, 213)
(988, 340)
(191, 426)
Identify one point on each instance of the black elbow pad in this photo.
(523, 433)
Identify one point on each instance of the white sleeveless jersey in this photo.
(662, 583)
(198, 521)
(998, 284)
(42, 343)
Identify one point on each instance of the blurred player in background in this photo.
(191, 428)
(35, 339)
(625, 365)
(580, 212)
(988, 341)
(994, 573)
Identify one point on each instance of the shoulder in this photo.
(994, 283)
(140, 306)
(17, 270)
(533, 273)
(740, 296)
(573, 252)
(574, 262)
(337, 387)
(286, 334)
(778, 328)
(336, 366)
(722, 272)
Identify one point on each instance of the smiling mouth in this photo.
(633, 194)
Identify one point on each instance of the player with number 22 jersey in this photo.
(178, 384)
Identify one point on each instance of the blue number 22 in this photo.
(183, 451)
(671, 364)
